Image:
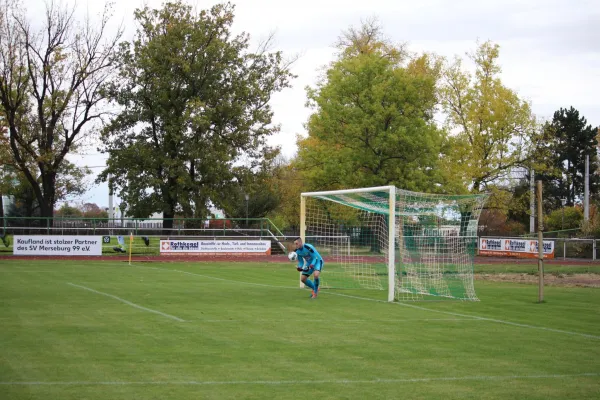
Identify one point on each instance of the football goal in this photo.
(413, 245)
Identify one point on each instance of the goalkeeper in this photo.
(309, 262)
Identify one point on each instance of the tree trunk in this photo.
(46, 201)
(168, 217)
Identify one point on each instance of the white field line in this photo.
(128, 302)
(499, 321)
(25, 270)
(303, 382)
(383, 301)
(342, 321)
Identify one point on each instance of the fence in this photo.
(251, 228)
(243, 228)
(575, 248)
(136, 226)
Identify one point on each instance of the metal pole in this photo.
(586, 197)
(111, 210)
(247, 198)
(563, 201)
(540, 244)
(532, 202)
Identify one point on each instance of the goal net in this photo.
(414, 246)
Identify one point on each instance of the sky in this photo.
(549, 49)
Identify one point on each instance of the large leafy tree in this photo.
(50, 90)
(257, 197)
(14, 183)
(492, 128)
(196, 111)
(288, 184)
(69, 183)
(570, 140)
(373, 118)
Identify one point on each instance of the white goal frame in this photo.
(391, 262)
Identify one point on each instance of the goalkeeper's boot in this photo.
(313, 295)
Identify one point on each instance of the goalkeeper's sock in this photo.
(317, 281)
(309, 284)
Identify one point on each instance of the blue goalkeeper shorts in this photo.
(318, 267)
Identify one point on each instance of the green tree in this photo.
(570, 139)
(503, 213)
(567, 218)
(373, 118)
(288, 184)
(493, 129)
(258, 205)
(67, 210)
(50, 95)
(196, 111)
(518, 207)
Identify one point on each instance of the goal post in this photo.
(391, 240)
(411, 245)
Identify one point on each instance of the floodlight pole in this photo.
(563, 201)
(540, 244)
(586, 193)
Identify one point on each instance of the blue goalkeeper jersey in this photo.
(308, 255)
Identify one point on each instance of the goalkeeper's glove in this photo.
(300, 269)
(311, 266)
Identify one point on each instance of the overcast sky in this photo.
(550, 49)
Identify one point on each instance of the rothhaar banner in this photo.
(526, 248)
(220, 247)
(38, 245)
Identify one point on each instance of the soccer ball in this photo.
(293, 256)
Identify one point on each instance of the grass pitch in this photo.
(107, 330)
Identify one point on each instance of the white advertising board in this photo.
(42, 245)
(215, 247)
(527, 248)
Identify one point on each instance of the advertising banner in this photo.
(42, 245)
(525, 248)
(215, 247)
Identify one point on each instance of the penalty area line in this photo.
(128, 302)
(303, 382)
(499, 321)
(476, 317)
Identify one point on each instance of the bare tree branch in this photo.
(51, 87)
